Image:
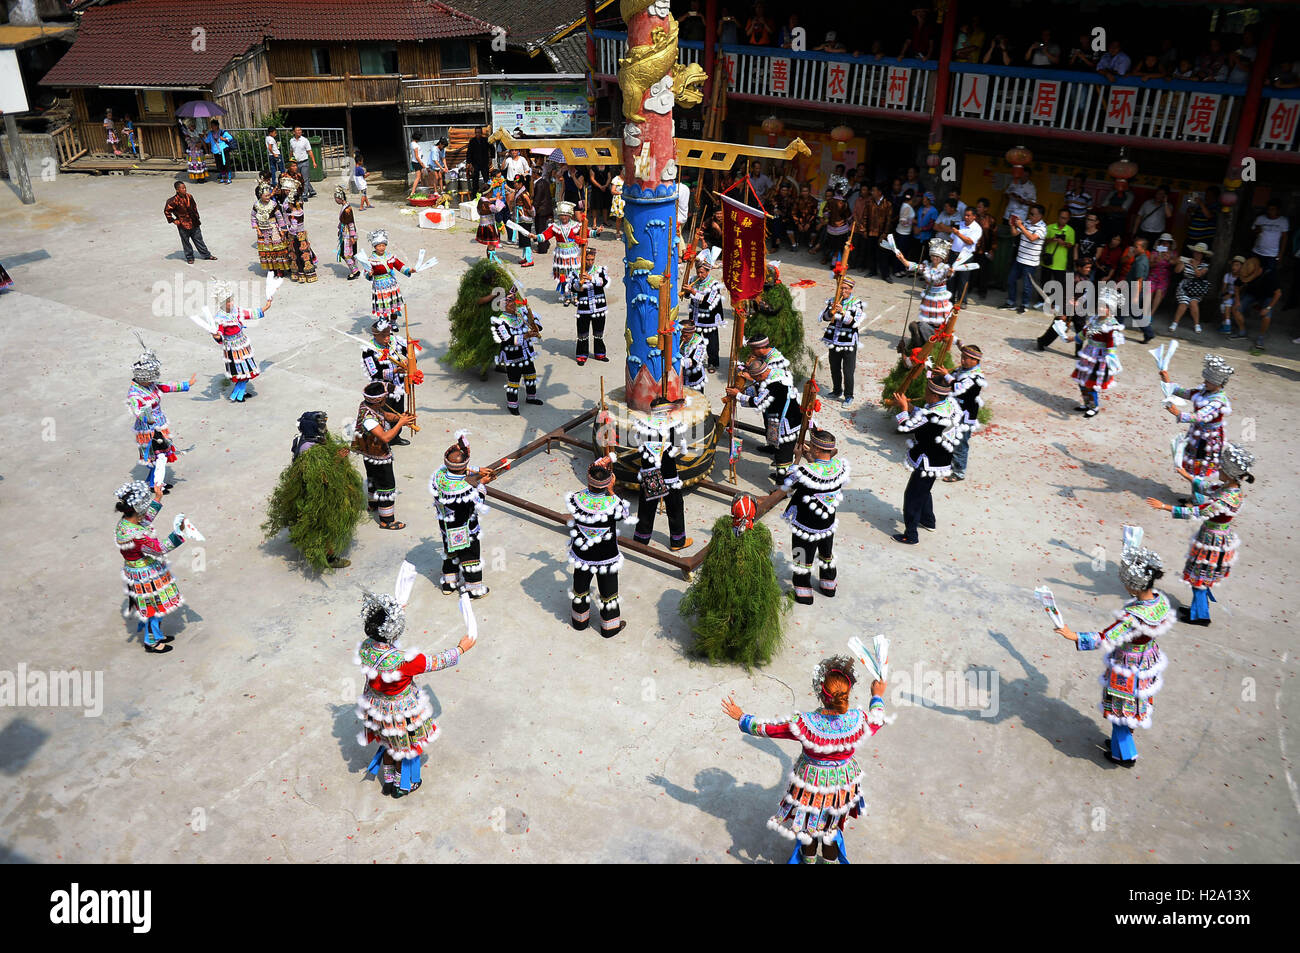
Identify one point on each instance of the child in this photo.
(1228, 296)
(359, 177)
(128, 129)
(488, 234)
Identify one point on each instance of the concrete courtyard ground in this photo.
(559, 746)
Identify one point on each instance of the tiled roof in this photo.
(531, 21)
(151, 42)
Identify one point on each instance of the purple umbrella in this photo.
(200, 109)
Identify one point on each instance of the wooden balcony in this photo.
(303, 92)
(445, 95)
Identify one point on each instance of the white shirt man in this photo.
(762, 183)
(967, 235)
(300, 149)
(906, 218)
(1269, 233)
(516, 165)
(1020, 195)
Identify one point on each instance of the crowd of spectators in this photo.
(1210, 58)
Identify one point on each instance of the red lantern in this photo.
(773, 127)
(1019, 156)
(840, 135)
(933, 162)
(1122, 168)
(1227, 199)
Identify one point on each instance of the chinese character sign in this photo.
(837, 81)
(1280, 121)
(744, 249)
(1047, 93)
(1202, 110)
(778, 76)
(728, 61)
(1119, 107)
(974, 93)
(896, 87)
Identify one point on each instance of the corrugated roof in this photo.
(152, 42)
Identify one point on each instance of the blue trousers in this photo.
(1201, 599)
(1019, 284)
(961, 456)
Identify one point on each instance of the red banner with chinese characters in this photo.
(744, 249)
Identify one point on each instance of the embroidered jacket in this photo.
(936, 430)
(816, 491)
(593, 530)
(457, 501)
(590, 293)
(842, 331)
(706, 304)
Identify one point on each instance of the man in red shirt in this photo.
(183, 212)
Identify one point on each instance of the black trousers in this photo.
(880, 261)
(711, 342)
(647, 510)
(782, 459)
(982, 273)
(382, 487)
(467, 561)
(514, 372)
(802, 554)
(194, 235)
(580, 608)
(918, 504)
(957, 285)
(842, 364)
(591, 324)
(1050, 335)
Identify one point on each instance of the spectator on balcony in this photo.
(788, 34)
(759, 30)
(970, 42)
(1044, 54)
(1082, 57)
(1115, 63)
(1153, 216)
(1239, 67)
(1184, 70)
(1285, 77)
(999, 52)
(804, 215)
(1089, 240)
(728, 29)
(1115, 208)
(1270, 231)
(1168, 56)
(1249, 49)
(1150, 68)
(831, 44)
(1078, 200)
(1212, 65)
(1029, 253)
(920, 44)
(905, 228)
(691, 25)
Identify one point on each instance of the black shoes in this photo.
(401, 442)
(1185, 616)
(610, 633)
(533, 400)
(902, 538)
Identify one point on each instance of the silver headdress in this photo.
(1236, 462)
(1107, 298)
(135, 495)
(1215, 370)
(1137, 568)
(394, 618)
(939, 247)
(565, 208)
(836, 663)
(378, 237)
(222, 291)
(340, 193)
(147, 368)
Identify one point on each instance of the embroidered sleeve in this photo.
(1205, 414)
(601, 278)
(876, 714)
(908, 422)
(1088, 641)
(752, 726)
(434, 663)
(1114, 634)
(370, 364)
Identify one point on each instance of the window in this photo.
(378, 58)
(455, 56)
(320, 60)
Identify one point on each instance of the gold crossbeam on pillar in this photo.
(691, 153)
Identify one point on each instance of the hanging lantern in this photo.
(840, 135)
(1019, 156)
(1123, 167)
(933, 161)
(773, 127)
(1227, 199)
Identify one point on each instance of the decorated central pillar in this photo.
(652, 81)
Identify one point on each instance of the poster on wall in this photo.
(553, 109)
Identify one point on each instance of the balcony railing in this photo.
(335, 91)
(447, 94)
(829, 81)
(1057, 103)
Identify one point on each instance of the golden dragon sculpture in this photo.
(649, 63)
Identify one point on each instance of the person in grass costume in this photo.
(482, 293)
(320, 498)
(735, 602)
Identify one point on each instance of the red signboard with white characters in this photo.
(896, 86)
(1202, 111)
(974, 93)
(837, 82)
(1047, 98)
(1120, 105)
(1281, 118)
(778, 75)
